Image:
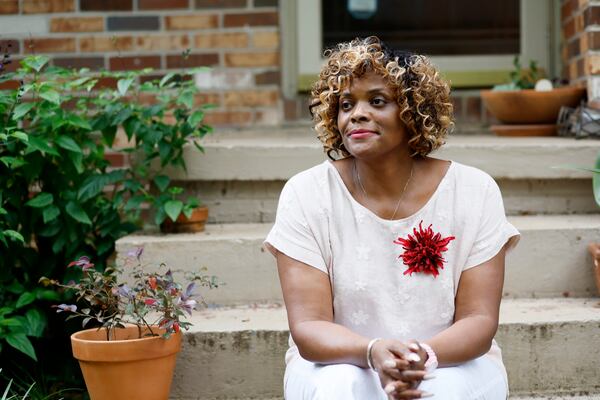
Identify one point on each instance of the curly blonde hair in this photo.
(423, 96)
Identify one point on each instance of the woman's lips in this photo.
(360, 134)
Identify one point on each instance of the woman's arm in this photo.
(477, 307)
(309, 304)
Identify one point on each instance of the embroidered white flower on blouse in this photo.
(447, 282)
(360, 217)
(360, 285)
(322, 181)
(401, 297)
(363, 252)
(359, 317)
(402, 331)
(323, 212)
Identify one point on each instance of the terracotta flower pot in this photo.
(594, 249)
(195, 223)
(127, 367)
(530, 106)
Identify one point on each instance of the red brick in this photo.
(89, 24)
(258, 59)
(221, 40)
(228, 118)
(250, 19)
(569, 29)
(162, 4)
(9, 85)
(268, 78)
(49, 45)
(106, 5)
(48, 6)
(95, 44)
(591, 16)
(566, 9)
(10, 46)
(132, 63)
(457, 104)
(93, 63)
(191, 22)
(250, 98)
(193, 60)
(290, 109)
(106, 83)
(573, 48)
(473, 109)
(266, 40)
(163, 42)
(207, 98)
(594, 40)
(9, 6)
(116, 159)
(135, 23)
(220, 4)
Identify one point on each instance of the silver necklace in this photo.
(401, 194)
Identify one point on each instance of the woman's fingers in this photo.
(412, 394)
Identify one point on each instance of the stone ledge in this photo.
(549, 346)
(281, 154)
(550, 261)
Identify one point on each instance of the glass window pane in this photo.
(436, 27)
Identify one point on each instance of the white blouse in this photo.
(320, 224)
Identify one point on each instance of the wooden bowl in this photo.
(524, 130)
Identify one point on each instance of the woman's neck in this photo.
(385, 177)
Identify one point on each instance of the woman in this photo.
(391, 262)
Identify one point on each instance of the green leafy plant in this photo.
(153, 299)
(60, 197)
(521, 78)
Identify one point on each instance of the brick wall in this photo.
(239, 39)
(581, 43)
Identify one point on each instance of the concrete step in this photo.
(241, 173)
(550, 261)
(550, 347)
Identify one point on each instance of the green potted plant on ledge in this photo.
(131, 353)
(528, 105)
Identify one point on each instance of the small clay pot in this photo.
(195, 223)
(594, 249)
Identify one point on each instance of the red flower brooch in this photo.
(423, 252)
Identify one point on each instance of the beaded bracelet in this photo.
(369, 355)
(432, 361)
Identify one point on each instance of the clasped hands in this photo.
(401, 368)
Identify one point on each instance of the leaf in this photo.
(596, 181)
(14, 235)
(68, 143)
(21, 110)
(25, 299)
(196, 118)
(20, 342)
(37, 143)
(36, 62)
(77, 213)
(186, 98)
(166, 79)
(162, 182)
(77, 160)
(50, 213)
(46, 294)
(134, 202)
(173, 208)
(36, 323)
(11, 322)
(94, 184)
(123, 85)
(22, 136)
(78, 122)
(51, 95)
(41, 200)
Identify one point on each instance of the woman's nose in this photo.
(359, 113)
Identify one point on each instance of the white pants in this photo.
(479, 379)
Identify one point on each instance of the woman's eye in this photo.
(378, 101)
(346, 105)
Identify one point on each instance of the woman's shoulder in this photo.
(311, 176)
(466, 175)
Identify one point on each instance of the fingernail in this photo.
(389, 388)
(389, 364)
(426, 394)
(428, 377)
(413, 346)
(413, 357)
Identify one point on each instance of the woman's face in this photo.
(369, 118)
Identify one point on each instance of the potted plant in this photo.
(131, 353)
(528, 105)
